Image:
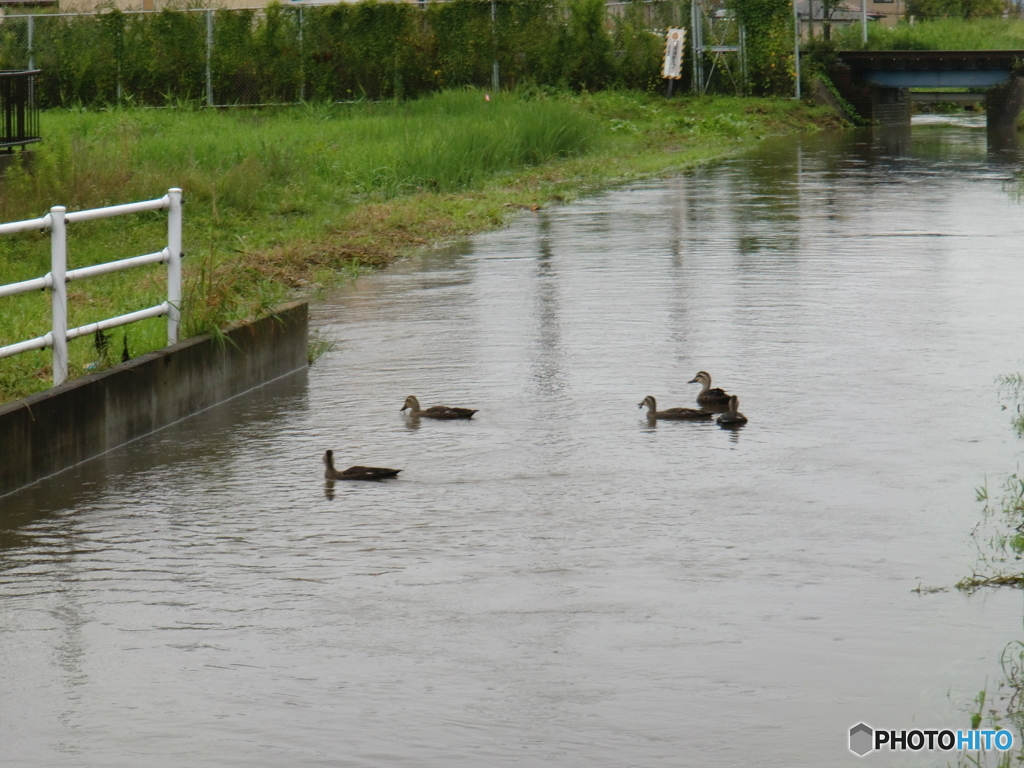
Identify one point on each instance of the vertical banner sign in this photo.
(672, 67)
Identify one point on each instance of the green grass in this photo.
(280, 202)
(293, 163)
(939, 34)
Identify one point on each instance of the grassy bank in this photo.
(987, 34)
(286, 201)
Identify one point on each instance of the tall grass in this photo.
(252, 180)
(291, 160)
(990, 34)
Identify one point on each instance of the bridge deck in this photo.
(931, 60)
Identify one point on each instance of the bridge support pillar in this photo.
(890, 106)
(873, 103)
(1003, 104)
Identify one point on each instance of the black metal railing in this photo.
(19, 116)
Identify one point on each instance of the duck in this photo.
(436, 411)
(707, 395)
(356, 473)
(732, 417)
(677, 414)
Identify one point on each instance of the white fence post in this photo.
(59, 292)
(173, 264)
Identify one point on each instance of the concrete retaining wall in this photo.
(54, 430)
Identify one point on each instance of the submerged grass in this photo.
(999, 536)
(999, 540)
(286, 201)
(1013, 386)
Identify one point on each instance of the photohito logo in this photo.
(865, 739)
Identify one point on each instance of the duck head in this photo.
(702, 377)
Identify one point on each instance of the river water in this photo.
(558, 582)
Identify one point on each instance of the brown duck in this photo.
(709, 396)
(436, 411)
(356, 473)
(732, 417)
(677, 414)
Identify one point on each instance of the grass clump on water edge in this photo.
(282, 201)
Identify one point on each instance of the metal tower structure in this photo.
(719, 47)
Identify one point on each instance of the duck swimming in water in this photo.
(732, 417)
(356, 473)
(436, 411)
(707, 395)
(676, 414)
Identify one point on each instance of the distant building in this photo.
(27, 6)
(91, 6)
(812, 13)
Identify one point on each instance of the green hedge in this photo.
(337, 52)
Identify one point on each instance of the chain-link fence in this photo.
(338, 52)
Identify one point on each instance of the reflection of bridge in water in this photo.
(878, 83)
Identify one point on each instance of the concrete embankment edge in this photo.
(53, 430)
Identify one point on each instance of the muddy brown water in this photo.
(558, 582)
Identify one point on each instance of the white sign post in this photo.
(672, 66)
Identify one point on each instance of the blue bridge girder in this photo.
(942, 78)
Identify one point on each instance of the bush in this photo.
(962, 9)
(370, 50)
(769, 27)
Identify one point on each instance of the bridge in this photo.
(878, 83)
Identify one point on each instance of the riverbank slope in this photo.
(284, 202)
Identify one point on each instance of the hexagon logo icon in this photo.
(861, 738)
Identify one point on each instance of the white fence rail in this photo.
(58, 277)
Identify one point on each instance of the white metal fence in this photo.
(58, 277)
